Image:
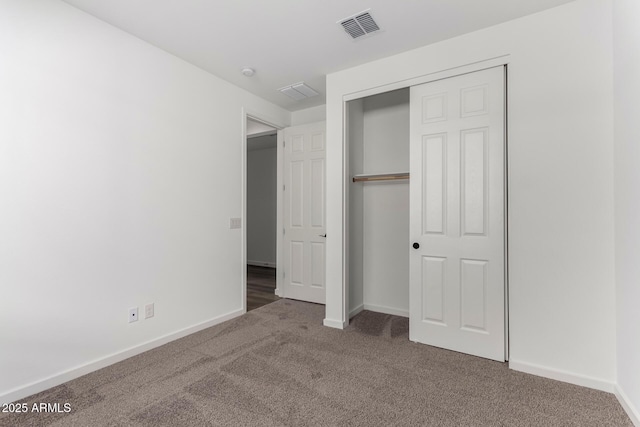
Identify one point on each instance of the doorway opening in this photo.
(261, 213)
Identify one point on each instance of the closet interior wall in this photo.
(378, 141)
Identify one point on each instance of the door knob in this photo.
(416, 245)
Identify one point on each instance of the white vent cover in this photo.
(298, 91)
(359, 24)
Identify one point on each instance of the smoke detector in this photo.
(360, 24)
(248, 71)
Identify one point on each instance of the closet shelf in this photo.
(380, 177)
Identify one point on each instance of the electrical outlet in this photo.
(133, 314)
(148, 311)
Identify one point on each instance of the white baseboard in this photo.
(386, 310)
(262, 264)
(334, 323)
(279, 293)
(356, 310)
(377, 308)
(73, 373)
(632, 412)
(564, 376)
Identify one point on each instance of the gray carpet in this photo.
(278, 366)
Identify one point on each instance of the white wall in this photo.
(378, 264)
(309, 115)
(120, 166)
(386, 204)
(261, 205)
(561, 235)
(626, 35)
(355, 124)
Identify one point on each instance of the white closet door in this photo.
(457, 214)
(304, 213)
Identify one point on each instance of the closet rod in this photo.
(381, 177)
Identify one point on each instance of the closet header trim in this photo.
(429, 77)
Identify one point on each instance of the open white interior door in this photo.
(304, 213)
(457, 214)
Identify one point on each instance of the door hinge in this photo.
(283, 187)
(283, 143)
(284, 231)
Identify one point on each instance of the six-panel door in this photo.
(457, 214)
(304, 213)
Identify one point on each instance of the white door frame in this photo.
(443, 74)
(248, 114)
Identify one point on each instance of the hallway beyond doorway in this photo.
(261, 286)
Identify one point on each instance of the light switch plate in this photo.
(148, 311)
(235, 223)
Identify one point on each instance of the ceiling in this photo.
(289, 41)
(256, 128)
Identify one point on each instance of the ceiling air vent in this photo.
(298, 91)
(359, 24)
